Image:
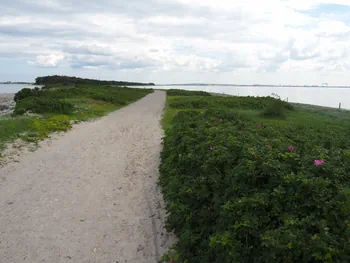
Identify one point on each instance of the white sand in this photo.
(89, 195)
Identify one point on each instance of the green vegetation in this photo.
(180, 92)
(256, 180)
(39, 112)
(66, 80)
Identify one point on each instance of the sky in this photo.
(299, 42)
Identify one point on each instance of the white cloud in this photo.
(47, 60)
(184, 38)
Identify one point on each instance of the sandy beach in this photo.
(89, 195)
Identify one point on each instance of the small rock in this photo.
(140, 248)
(82, 220)
(10, 203)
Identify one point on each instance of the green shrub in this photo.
(275, 109)
(56, 99)
(25, 93)
(236, 191)
(251, 103)
(43, 105)
(179, 92)
(19, 111)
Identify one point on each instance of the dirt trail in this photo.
(89, 196)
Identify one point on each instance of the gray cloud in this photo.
(87, 49)
(166, 36)
(112, 62)
(32, 30)
(134, 8)
(302, 55)
(308, 51)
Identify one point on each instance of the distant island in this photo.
(16, 82)
(66, 80)
(324, 85)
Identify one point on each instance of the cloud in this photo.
(185, 38)
(49, 61)
(88, 49)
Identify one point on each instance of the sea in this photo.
(321, 96)
(13, 88)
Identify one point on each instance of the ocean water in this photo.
(13, 88)
(322, 96)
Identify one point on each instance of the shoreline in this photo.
(7, 104)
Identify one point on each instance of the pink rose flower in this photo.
(319, 162)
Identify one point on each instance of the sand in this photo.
(89, 195)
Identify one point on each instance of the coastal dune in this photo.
(89, 195)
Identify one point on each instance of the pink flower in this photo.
(259, 126)
(291, 148)
(211, 148)
(172, 261)
(318, 162)
(217, 121)
(161, 150)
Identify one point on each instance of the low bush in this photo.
(43, 105)
(251, 103)
(277, 108)
(180, 92)
(238, 190)
(25, 93)
(56, 99)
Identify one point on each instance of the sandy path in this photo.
(91, 195)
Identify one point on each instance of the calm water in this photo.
(13, 88)
(322, 96)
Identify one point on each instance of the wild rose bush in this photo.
(238, 190)
(202, 102)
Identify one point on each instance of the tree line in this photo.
(74, 80)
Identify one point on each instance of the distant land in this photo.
(67, 80)
(16, 82)
(255, 85)
(56, 79)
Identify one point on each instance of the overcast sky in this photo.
(178, 41)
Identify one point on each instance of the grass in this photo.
(57, 107)
(13, 128)
(302, 114)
